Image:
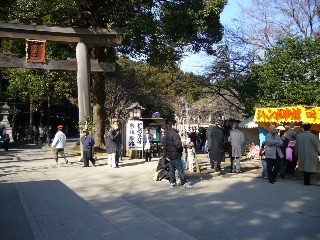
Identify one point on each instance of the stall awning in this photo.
(282, 115)
(248, 123)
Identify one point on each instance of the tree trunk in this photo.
(49, 112)
(31, 119)
(99, 116)
(41, 114)
(98, 92)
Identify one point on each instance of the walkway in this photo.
(41, 200)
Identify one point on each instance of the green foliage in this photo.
(289, 75)
(88, 124)
(13, 48)
(165, 81)
(155, 30)
(40, 84)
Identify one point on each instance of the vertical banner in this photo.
(135, 135)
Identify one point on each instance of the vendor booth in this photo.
(251, 132)
(282, 116)
(154, 125)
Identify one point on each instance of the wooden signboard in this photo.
(36, 51)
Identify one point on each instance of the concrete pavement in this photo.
(41, 200)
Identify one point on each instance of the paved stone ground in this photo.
(41, 200)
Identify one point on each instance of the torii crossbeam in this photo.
(83, 65)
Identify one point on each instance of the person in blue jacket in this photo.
(88, 142)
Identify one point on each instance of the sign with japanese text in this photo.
(135, 135)
(36, 51)
(288, 114)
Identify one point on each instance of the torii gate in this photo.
(83, 65)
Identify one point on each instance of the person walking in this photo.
(291, 136)
(21, 136)
(147, 144)
(186, 141)
(215, 142)
(236, 139)
(203, 139)
(262, 155)
(111, 146)
(49, 134)
(172, 148)
(42, 135)
(59, 143)
(273, 153)
(118, 141)
(30, 135)
(35, 134)
(5, 142)
(88, 142)
(283, 161)
(194, 137)
(307, 149)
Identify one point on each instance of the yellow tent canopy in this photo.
(282, 116)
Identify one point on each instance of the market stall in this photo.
(282, 116)
(251, 132)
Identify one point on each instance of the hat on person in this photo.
(292, 124)
(60, 127)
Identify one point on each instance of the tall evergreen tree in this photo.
(289, 75)
(155, 30)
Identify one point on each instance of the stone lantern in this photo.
(5, 113)
(5, 122)
(135, 111)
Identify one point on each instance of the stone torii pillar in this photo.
(82, 37)
(83, 80)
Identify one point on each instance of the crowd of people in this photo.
(35, 135)
(280, 153)
(283, 151)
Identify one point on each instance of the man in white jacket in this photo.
(59, 143)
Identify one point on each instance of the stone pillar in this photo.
(83, 80)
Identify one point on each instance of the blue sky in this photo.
(197, 62)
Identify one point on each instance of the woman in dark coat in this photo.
(111, 146)
(283, 161)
